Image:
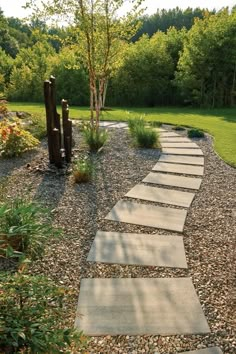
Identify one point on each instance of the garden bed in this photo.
(80, 210)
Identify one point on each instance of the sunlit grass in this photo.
(220, 123)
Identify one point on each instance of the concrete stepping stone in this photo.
(161, 195)
(119, 125)
(178, 168)
(106, 124)
(177, 139)
(212, 350)
(178, 151)
(188, 160)
(148, 215)
(145, 306)
(168, 134)
(179, 145)
(138, 249)
(172, 180)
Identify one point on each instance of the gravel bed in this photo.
(209, 235)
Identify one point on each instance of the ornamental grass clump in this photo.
(95, 137)
(134, 124)
(144, 137)
(195, 133)
(82, 171)
(14, 140)
(24, 229)
(32, 313)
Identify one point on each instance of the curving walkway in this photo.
(165, 306)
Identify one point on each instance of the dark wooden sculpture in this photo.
(57, 148)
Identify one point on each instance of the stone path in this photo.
(167, 306)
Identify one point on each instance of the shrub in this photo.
(145, 137)
(3, 107)
(82, 171)
(14, 140)
(37, 126)
(95, 138)
(24, 229)
(195, 133)
(178, 128)
(31, 316)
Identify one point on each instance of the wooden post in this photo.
(56, 116)
(67, 130)
(56, 148)
(49, 118)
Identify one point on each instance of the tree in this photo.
(99, 31)
(207, 67)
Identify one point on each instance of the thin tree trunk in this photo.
(104, 94)
(214, 92)
(233, 87)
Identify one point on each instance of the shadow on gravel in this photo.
(8, 166)
(51, 189)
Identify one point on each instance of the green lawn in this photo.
(221, 123)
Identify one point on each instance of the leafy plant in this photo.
(37, 126)
(195, 133)
(178, 128)
(24, 229)
(31, 316)
(82, 171)
(3, 107)
(14, 140)
(95, 138)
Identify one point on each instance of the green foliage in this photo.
(3, 107)
(37, 126)
(31, 68)
(163, 19)
(144, 78)
(178, 128)
(95, 138)
(32, 312)
(195, 133)
(14, 140)
(82, 171)
(24, 229)
(204, 76)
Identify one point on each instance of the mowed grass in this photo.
(220, 123)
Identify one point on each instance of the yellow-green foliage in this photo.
(14, 140)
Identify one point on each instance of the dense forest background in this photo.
(178, 57)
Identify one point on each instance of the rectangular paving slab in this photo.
(179, 145)
(143, 306)
(161, 195)
(138, 249)
(168, 134)
(148, 215)
(186, 160)
(177, 139)
(178, 151)
(212, 350)
(172, 180)
(179, 168)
